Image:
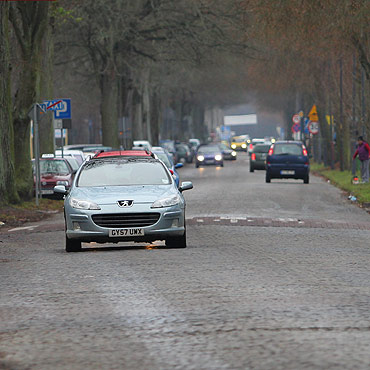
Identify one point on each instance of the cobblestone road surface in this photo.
(264, 287)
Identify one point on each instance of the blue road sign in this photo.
(61, 107)
(306, 121)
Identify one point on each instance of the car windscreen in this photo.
(208, 149)
(223, 147)
(123, 173)
(261, 148)
(164, 158)
(239, 140)
(288, 149)
(54, 167)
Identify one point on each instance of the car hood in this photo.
(110, 194)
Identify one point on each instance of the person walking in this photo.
(363, 153)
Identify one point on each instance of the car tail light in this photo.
(251, 147)
(271, 151)
(305, 152)
(253, 157)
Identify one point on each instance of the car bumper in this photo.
(80, 225)
(258, 165)
(209, 162)
(300, 172)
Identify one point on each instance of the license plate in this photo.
(47, 191)
(263, 156)
(114, 233)
(287, 172)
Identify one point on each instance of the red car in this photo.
(54, 171)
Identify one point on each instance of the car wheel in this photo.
(73, 245)
(268, 177)
(197, 165)
(251, 169)
(306, 179)
(222, 164)
(176, 241)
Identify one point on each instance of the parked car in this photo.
(87, 148)
(287, 159)
(169, 145)
(209, 155)
(53, 172)
(227, 153)
(258, 157)
(124, 199)
(183, 153)
(166, 158)
(142, 143)
(77, 154)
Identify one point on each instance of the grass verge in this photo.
(343, 180)
(16, 215)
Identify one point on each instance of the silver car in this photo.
(124, 199)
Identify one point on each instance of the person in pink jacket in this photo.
(363, 153)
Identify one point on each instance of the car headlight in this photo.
(63, 182)
(83, 204)
(244, 146)
(200, 158)
(218, 157)
(233, 154)
(233, 146)
(166, 202)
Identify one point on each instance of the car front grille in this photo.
(125, 220)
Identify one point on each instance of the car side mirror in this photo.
(186, 185)
(60, 189)
(179, 165)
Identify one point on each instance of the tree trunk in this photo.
(46, 123)
(7, 176)
(109, 109)
(30, 30)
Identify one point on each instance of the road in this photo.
(275, 276)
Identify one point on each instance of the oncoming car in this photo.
(124, 199)
(240, 143)
(209, 154)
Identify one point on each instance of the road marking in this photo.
(24, 228)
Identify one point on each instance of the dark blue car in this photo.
(287, 160)
(209, 154)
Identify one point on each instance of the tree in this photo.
(7, 180)
(30, 22)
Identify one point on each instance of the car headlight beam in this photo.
(218, 157)
(83, 204)
(200, 158)
(166, 202)
(233, 154)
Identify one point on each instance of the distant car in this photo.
(166, 158)
(142, 143)
(227, 153)
(183, 153)
(91, 148)
(169, 145)
(239, 143)
(254, 142)
(77, 154)
(287, 159)
(124, 199)
(258, 157)
(209, 155)
(53, 172)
